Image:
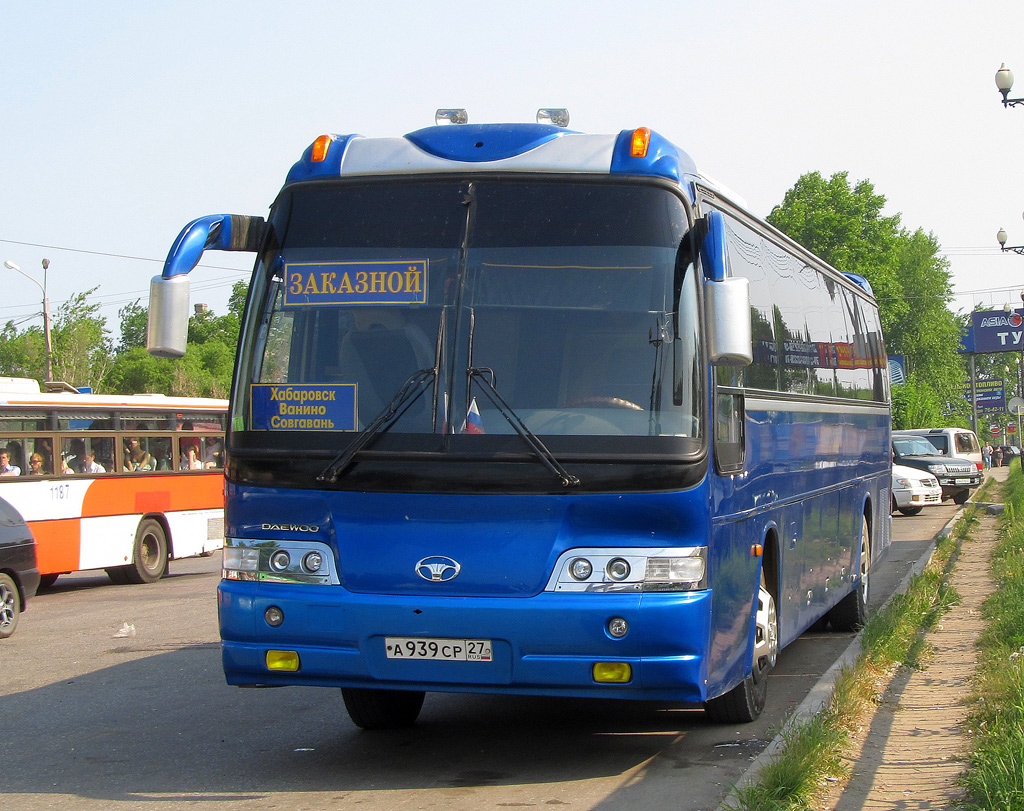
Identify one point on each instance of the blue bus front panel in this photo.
(545, 644)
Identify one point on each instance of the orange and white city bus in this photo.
(116, 482)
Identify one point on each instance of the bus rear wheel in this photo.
(149, 558)
(746, 701)
(851, 612)
(382, 709)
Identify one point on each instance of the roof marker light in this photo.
(639, 142)
(558, 116)
(454, 115)
(320, 147)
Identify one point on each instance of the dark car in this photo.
(19, 577)
(957, 477)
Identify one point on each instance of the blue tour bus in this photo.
(523, 410)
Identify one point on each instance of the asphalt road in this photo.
(112, 697)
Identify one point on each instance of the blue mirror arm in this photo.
(712, 248)
(217, 232)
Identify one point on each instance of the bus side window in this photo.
(213, 452)
(729, 456)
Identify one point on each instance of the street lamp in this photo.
(46, 311)
(1004, 81)
(1001, 239)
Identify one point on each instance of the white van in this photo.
(955, 442)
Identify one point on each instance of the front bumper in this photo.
(542, 645)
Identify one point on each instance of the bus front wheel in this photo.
(149, 558)
(382, 709)
(745, 702)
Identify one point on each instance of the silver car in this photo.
(913, 490)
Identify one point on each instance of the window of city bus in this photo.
(568, 306)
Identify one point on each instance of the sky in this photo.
(122, 121)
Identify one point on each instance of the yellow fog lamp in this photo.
(612, 672)
(282, 660)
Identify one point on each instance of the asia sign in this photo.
(997, 331)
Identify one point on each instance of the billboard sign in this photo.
(997, 331)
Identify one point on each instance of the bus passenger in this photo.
(136, 457)
(6, 468)
(90, 465)
(35, 465)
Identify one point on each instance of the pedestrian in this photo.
(986, 454)
(997, 457)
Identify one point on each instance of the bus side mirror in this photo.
(167, 325)
(727, 315)
(726, 300)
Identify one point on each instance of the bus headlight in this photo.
(630, 570)
(279, 561)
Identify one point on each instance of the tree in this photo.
(844, 225)
(81, 343)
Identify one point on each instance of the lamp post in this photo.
(1004, 81)
(46, 311)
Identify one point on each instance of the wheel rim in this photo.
(766, 639)
(8, 606)
(149, 551)
(865, 560)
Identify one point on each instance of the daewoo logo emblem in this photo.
(438, 568)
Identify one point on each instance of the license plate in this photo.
(445, 650)
(962, 481)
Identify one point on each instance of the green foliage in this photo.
(995, 775)
(85, 355)
(844, 225)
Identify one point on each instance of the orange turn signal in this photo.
(320, 147)
(639, 142)
(756, 550)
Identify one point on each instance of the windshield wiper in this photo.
(410, 390)
(538, 447)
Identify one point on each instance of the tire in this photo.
(850, 613)
(382, 709)
(746, 701)
(149, 558)
(961, 496)
(911, 510)
(118, 575)
(10, 606)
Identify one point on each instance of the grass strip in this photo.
(811, 755)
(994, 778)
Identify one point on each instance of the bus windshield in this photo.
(568, 306)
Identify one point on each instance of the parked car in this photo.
(913, 490)
(957, 477)
(19, 577)
(955, 442)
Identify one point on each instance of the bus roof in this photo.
(495, 148)
(124, 402)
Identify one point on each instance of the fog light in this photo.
(617, 569)
(581, 569)
(274, 616)
(282, 660)
(612, 672)
(279, 560)
(618, 627)
(312, 562)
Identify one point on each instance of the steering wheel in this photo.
(604, 402)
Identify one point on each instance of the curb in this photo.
(822, 691)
